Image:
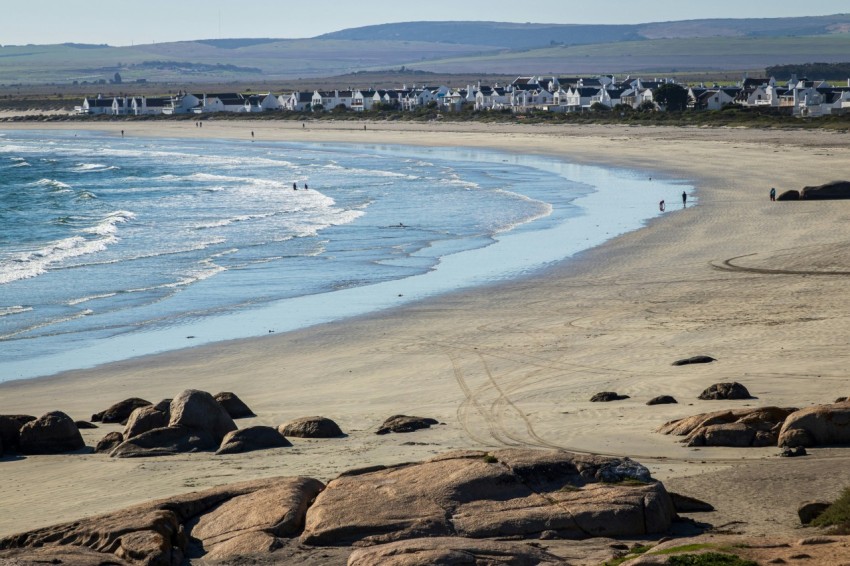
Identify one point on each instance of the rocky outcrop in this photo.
(234, 405)
(252, 438)
(224, 522)
(725, 391)
(120, 411)
(791, 194)
(828, 191)
(451, 550)
(607, 397)
(166, 441)
(478, 495)
(10, 430)
(817, 426)
(694, 360)
(311, 427)
(662, 400)
(144, 419)
(85, 425)
(403, 423)
(199, 412)
(52, 433)
(106, 444)
(737, 428)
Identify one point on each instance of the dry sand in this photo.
(760, 286)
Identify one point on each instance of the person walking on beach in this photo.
(661, 206)
(294, 186)
(684, 198)
(772, 194)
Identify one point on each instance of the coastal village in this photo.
(799, 97)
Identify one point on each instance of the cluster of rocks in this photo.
(442, 510)
(835, 190)
(731, 390)
(792, 428)
(191, 422)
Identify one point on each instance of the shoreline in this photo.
(515, 364)
(612, 202)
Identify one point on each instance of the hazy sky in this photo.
(125, 23)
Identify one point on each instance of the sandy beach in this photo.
(760, 286)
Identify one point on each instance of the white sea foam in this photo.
(21, 164)
(107, 226)
(74, 302)
(52, 183)
(17, 309)
(93, 168)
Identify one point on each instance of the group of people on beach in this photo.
(295, 186)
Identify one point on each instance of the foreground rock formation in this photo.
(462, 498)
(820, 425)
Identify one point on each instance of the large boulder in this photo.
(10, 430)
(403, 423)
(737, 428)
(52, 433)
(451, 550)
(144, 419)
(223, 521)
(108, 443)
(311, 427)
(166, 441)
(662, 400)
(725, 391)
(508, 493)
(828, 191)
(120, 411)
(791, 194)
(252, 438)
(199, 411)
(817, 426)
(234, 405)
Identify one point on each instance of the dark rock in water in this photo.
(144, 419)
(453, 550)
(84, 424)
(808, 511)
(725, 391)
(403, 423)
(199, 411)
(311, 427)
(820, 425)
(52, 433)
(662, 400)
(827, 191)
(694, 360)
(789, 195)
(164, 442)
(108, 442)
(120, 411)
(10, 430)
(607, 396)
(234, 405)
(252, 438)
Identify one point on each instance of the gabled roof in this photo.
(750, 82)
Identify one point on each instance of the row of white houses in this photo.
(564, 94)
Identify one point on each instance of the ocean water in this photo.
(117, 247)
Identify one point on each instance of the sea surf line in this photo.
(593, 205)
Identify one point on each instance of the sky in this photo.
(156, 21)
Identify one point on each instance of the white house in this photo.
(95, 106)
(297, 101)
(144, 106)
(183, 104)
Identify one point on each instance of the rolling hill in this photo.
(445, 47)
